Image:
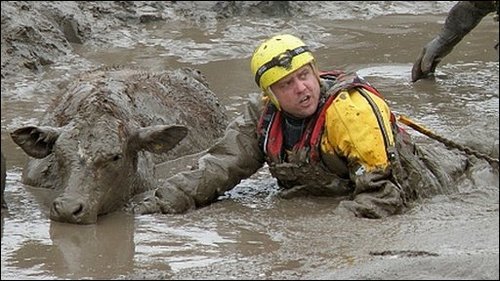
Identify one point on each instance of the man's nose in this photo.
(299, 86)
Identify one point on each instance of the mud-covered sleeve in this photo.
(234, 157)
(461, 19)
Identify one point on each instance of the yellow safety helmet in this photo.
(277, 57)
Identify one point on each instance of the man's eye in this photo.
(283, 84)
(304, 74)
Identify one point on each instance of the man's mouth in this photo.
(305, 99)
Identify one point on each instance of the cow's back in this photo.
(141, 99)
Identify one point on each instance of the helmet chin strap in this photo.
(273, 98)
(315, 70)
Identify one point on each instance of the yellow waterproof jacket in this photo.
(354, 162)
(358, 127)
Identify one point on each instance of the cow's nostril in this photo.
(65, 210)
(78, 210)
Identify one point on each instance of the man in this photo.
(462, 18)
(323, 134)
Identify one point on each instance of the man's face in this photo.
(298, 92)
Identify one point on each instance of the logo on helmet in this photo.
(284, 60)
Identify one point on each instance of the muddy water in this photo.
(251, 234)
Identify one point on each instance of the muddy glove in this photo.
(167, 199)
(429, 58)
(372, 206)
(375, 196)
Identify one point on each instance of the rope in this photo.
(410, 123)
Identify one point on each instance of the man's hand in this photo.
(167, 200)
(429, 58)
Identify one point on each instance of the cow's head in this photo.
(97, 168)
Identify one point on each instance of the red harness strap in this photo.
(275, 137)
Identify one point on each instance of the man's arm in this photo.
(462, 18)
(234, 157)
(358, 124)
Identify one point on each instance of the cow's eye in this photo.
(116, 157)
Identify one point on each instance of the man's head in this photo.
(285, 70)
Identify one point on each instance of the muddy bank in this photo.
(36, 34)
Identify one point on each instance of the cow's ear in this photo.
(36, 141)
(157, 139)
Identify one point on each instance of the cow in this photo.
(102, 137)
